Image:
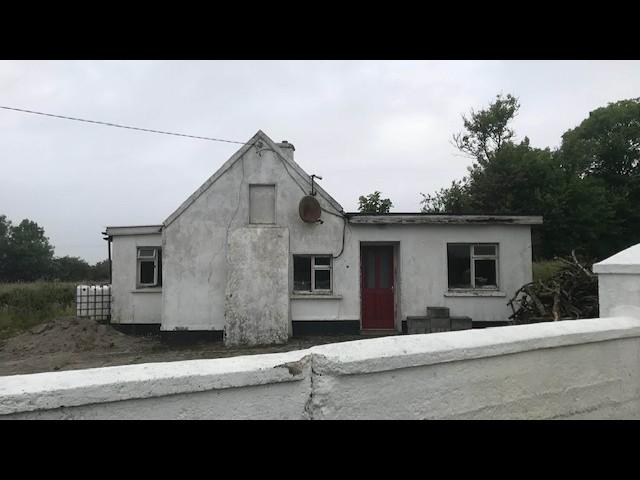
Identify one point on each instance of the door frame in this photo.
(396, 278)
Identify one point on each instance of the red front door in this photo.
(377, 287)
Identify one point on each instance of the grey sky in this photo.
(362, 125)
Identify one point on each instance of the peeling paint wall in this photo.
(196, 243)
(257, 293)
(129, 304)
(569, 369)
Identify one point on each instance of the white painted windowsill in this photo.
(474, 293)
(314, 296)
(147, 290)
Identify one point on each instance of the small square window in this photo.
(312, 273)
(472, 266)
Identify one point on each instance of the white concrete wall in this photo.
(569, 369)
(195, 246)
(421, 271)
(619, 282)
(128, 303)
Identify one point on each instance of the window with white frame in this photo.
(149, 267)
(312, 273)
(472, 265)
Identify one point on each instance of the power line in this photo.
(121, 126)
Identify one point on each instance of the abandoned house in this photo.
(261, 252)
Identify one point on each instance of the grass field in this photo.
(24, 305)
(544, 270)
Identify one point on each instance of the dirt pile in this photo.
(70, 335)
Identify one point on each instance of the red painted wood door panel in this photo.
(377, 287)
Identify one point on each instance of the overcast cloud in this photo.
(361, 125)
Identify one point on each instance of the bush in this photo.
(24, 305)
(544, 270)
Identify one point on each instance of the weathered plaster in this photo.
(257, 293)
(196, 237)
(129, 305)
(570, 369)
(196, 241)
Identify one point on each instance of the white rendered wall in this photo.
(568, 369)
(619, 282)
(195, 247)
(128, 303)
(195, 244)
(421, 270)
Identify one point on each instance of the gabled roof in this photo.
(271, 145)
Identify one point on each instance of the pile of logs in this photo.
(571, 293)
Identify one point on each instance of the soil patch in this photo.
(68, 343)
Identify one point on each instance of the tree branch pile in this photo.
(571, 293)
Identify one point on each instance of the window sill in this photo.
(147, 290)
(474, 293)
(314, 296)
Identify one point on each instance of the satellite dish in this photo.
(309, 209)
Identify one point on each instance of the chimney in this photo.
(287, 148)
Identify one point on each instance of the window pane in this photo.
(370, 269)
(385, 268)
(459, 266)
(302, 273)
(146, 252)
(485, 273)
(484, 250)
(146, 272)
(323, 279)
(323, 260)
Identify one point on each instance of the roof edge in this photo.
(425, 218)
(133, 230)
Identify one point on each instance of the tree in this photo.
(488, 130)
(605, 148)
(372, 203)
(5, 239)
(517, 179)
(70, 269)
(100, 271)
(606, 144)
(28, 253)
(454, 199)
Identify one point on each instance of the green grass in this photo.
(545, 269)
(24, 305)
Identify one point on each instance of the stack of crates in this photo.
(94, 302)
